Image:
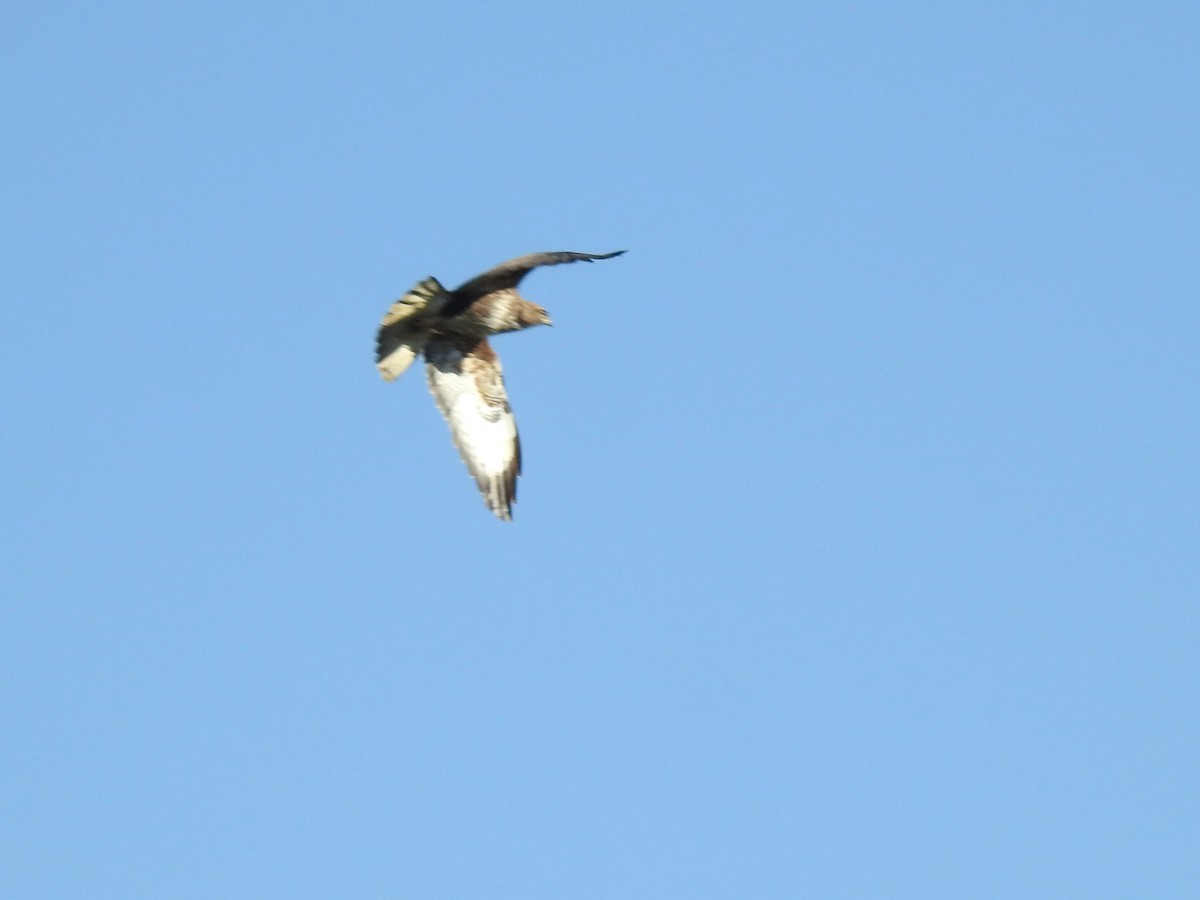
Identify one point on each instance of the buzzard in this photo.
(451, 328)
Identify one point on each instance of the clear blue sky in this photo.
(857, 548)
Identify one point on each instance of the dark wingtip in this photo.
(596, 256)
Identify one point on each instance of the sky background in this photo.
(857, 547)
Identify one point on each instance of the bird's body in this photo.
(451, 328)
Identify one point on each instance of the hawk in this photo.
(451, 328)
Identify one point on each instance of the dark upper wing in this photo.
(509, 274)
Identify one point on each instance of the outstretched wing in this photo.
(404, 329)
(509, 274)
(468, 387)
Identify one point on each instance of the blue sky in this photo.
(856, 551)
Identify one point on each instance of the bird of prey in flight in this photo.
(451, 328)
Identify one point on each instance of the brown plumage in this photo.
(451, 328)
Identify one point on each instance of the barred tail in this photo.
(402, 333)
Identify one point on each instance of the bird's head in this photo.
(534, 315)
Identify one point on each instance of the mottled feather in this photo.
(467, 384)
